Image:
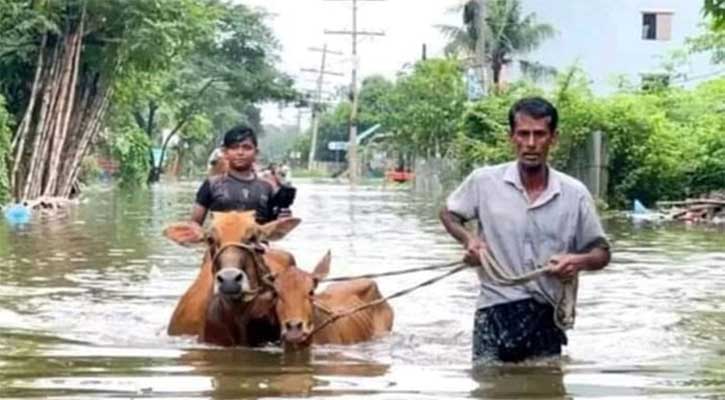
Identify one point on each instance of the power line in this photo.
(316, 105)
(354, 33)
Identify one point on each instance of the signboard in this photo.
(337, 146)
(474, 85)
(156, 151)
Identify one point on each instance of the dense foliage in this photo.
(85, 73)
(662, 144)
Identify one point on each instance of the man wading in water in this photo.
(527, 214)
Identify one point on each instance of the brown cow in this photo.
(226, 304)
(299, 310)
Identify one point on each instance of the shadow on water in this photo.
(253, 373)
(85, 299)
(519, 382)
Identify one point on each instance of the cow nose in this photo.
(230, 281)
(293, 325)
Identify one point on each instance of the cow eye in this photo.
(312, 292)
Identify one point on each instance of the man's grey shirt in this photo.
(521, 235)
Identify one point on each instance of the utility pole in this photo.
(299, 121)
(352, 147)
(474, 20)
(317, 103)
(300, 111)
(481, 45)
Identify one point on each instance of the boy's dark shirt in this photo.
(224, 192)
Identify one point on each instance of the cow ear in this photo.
(322, 269)
(278, 229)
(185, 233)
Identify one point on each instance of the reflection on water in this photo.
(85, 298)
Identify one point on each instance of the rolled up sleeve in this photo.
(465, 199)
(589, 232)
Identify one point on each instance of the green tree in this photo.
(661, 145)
(278, 142)
(498, 36)
(716, 10)
(425, 106)
(333, 128)
(228, 71)
(373, 105)
(374, 100)
(76, 55)
(420, 109)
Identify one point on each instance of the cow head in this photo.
(235, 248)
(295, 291)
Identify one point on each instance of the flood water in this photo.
(85, 300)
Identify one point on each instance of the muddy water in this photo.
(85, 299)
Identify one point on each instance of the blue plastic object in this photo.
(639, 208)
(17, 214)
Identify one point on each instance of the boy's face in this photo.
(241, 155)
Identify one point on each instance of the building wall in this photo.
(605, 38)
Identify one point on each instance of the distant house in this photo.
(629, 38)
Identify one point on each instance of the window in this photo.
(657, 25)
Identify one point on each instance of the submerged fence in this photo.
(589, 165)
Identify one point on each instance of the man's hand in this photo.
(565, 266)
(474, 246)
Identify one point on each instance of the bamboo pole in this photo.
(61, 134)
(38, 128)
(18, 144)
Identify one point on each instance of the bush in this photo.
(90, 170)
(666, 144)
(131, 149)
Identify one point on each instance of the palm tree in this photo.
(498, 35)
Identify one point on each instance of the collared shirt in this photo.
(522, 235)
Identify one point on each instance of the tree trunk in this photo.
(18, 143)
(65, 111)
(59, 138)
(91, 131)
(496, 76)
(48, 82)
(85, 129)
(155, 172)
(178, 163)
(150, 120)
(38, 179)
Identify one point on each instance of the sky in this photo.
(300, 24)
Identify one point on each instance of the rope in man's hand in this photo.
(564, 307)
(565, 304)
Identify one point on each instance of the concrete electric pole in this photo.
(352, 147)
(317, 102)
